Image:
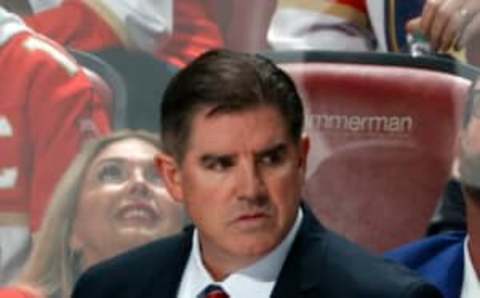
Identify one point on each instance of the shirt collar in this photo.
(256, 280)
(471, 283)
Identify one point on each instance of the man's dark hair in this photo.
(227, 82)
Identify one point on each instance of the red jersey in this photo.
(74, 24)
(99, 24)
(47, 107)
(359, 5)
(354, 11)
(194, 32)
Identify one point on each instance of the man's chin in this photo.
(253, 247)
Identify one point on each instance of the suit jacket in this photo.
(319, 264)
(439, 259)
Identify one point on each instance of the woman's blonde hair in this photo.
(53, 266)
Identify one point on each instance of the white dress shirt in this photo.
(471, 283)
(256, 280)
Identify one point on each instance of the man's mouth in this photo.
(251, 221)
(252, 216)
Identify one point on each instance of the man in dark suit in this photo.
(451, 260)
(235, 156)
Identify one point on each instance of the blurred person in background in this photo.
(451, 23)
(139, 38)
(110, 200)
(343, 25)
(179, 30)
(338, 25)
(92, 25)
(388, 20)
(451, 260)
(27, 7)
(111, 29)
(48, 107)
(447, 25)
(244, 24)
(174, 32)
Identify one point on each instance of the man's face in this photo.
(470, 178)
(470, 155)
(240, 181)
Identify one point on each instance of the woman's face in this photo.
(123, 202)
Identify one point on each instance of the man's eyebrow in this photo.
(282, 147)
(209, 157)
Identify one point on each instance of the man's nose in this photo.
(251, 184)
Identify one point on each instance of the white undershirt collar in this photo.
(471, 283)
(256, 280)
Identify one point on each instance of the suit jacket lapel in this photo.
(300, 275)
(454, 279)
(175, 259)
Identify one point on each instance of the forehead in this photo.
(249, 129)
(131, 148)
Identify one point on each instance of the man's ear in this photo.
(303, 150)
(169, 170)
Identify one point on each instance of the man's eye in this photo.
(219, 164)
(272, 158)
(112, 173)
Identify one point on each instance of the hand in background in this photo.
(447, 23)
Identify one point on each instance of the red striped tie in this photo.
(213, 291)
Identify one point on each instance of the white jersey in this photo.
(10, 25)
(143, 24)
(376, 14)
(320, 25)
(42, 5)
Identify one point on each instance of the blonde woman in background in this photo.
(109, 201)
